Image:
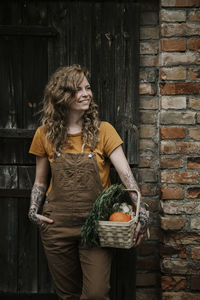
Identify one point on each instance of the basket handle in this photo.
(138, 202)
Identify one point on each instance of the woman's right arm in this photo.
(39, 190)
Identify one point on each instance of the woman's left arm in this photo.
(123, 169)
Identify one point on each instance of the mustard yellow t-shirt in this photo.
(108, 140)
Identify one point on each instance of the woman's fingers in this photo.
(137, 230)
(139, 240)
(45, 219)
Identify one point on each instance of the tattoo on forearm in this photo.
(37, 196)
(130, 183)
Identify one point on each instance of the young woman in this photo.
(78, 150)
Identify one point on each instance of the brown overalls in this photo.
(78, 272)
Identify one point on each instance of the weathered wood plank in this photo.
(22, 30)
(15, 151)
(8, 177)
(34, 62)
(14, 193)
(27, 251)
(26, 176)
(9, 245)
(10, 94)
(17, 133)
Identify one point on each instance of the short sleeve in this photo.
(110, 137)
(38, 143)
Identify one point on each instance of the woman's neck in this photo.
(74, 122)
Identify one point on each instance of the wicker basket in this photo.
(119, 234)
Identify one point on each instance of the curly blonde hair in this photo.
(58, 95)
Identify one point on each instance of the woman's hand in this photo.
(37, 218)
(141, 228)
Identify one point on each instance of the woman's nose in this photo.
(84, 92)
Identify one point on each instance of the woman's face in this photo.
(82, 97)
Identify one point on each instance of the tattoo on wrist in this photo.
(33, 217)
(144, 220)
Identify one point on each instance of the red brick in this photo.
(194, 44)
(193, 193)
(153, 203)
(169, 251)
(146, 161)
(172, 132)
(149, 33)
(187, 3)
(174, 73)
(147, 175)
(173, 44)
(148, 60)
(147, 131)
(179, 88)
(172, 223)
(182, 30)
(198, 118)
(173, 102)
(147, 294)
(179, 266)
(146, 89)
(180, 177)
(148, 189)
(194, 133)
(195, 222)
(169, 147)
(150, 103)
(195, 253)
(172, 15)
(146, 249)
(194, 74)
(193, 162)
(170, 163)
(177, 117)
(180, 295)
(179, 58)
(195, 283)
(183, 238)
(173, 282)
(148, 117)
(155, 233)
(194, 102)
(180, 207)
(194, 15)
(146, 279)
(180, 3)
(149, 47)
(169, 192)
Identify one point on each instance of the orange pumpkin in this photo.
(119, 217)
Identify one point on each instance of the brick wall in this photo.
(180, 148)
(170, 149)
(148, 265)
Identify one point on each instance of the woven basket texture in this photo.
(117, 234)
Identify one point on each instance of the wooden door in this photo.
(36, 37)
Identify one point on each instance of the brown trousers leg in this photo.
(96, 265)
(78, 272)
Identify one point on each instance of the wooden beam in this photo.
(14, 193)
(31, 30)
(16, 133)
